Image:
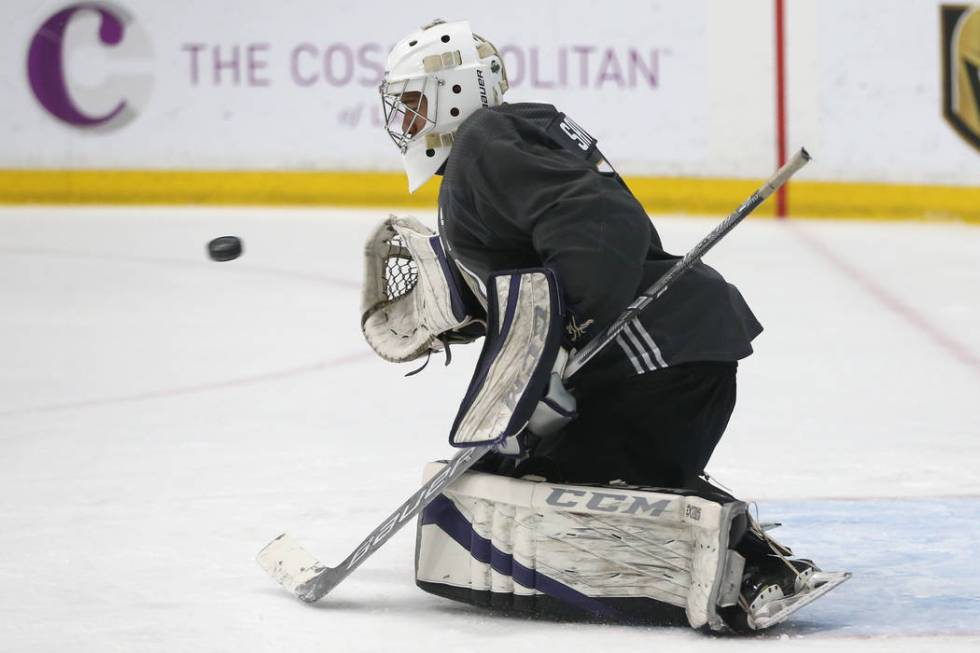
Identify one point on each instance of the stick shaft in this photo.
(456, 467)
(607, 335)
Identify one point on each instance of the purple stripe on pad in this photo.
(443, 513)
(452, 277)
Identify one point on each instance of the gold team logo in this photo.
(961, 70)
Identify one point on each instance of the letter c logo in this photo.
(46, 59)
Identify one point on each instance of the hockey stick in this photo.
(588, 352)
(299, 572)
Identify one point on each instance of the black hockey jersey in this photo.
(522, 189)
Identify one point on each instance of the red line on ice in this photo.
(189, 390)
(957, 349)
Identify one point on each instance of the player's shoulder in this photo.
(500, 125)
(506, 119)
(480, 127)
(483, 119)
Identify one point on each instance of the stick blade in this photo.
(290, 564)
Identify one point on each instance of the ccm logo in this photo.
(605, 502)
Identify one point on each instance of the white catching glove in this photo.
(413, 298)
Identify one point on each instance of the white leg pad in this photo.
(581, 545)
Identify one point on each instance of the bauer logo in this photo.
(960, 28)
(88, 66)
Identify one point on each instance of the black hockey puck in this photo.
(225, 248)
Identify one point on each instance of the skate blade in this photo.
(779, 610)
(289, 564)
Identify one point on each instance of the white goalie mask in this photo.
(434, 79)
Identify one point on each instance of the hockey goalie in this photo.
(594, 504)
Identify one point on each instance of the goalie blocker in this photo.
(517, 381)
(610, 553)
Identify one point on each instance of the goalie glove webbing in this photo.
(413, 300)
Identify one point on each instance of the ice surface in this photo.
(162, 417)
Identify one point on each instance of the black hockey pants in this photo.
(657, 429)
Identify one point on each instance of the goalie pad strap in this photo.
(610, 552)
(524, 326)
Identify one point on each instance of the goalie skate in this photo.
(774, 602)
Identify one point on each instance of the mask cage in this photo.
(395, 110)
